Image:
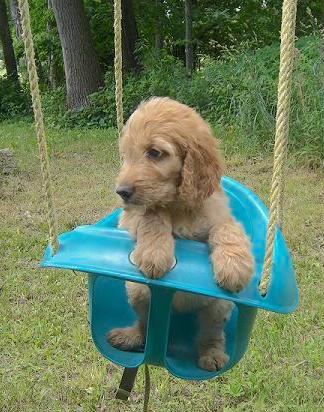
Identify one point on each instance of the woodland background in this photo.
(219, 57)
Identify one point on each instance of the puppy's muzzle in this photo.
(125, 192)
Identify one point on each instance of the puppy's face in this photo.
(168, 155)
(150, 171)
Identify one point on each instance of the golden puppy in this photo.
(170, 185)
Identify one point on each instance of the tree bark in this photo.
(83, 73)
(129, 36)
(16, 18)
(189, 48)
(50, 55)
(7, 46)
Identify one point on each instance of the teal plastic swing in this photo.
(102, 250)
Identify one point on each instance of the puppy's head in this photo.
(169, 155)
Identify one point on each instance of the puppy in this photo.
(170, 185)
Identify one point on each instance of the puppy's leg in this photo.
(231, 256)
(133, 337)
(154, 251)
(211, 338)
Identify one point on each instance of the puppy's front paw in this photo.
(153, 262)
(233, 268)
(213, 360)
(126, 338)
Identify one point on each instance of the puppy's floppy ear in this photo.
(201, 171)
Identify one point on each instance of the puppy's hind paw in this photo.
(127, 339)
(213, 360)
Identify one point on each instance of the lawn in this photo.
(48, 361)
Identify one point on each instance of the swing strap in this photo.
(127, 383)
(287, 55)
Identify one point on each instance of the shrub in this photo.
(237, 94)
(159, 78)
(14, 100)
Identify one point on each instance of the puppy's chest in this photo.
(195, 229)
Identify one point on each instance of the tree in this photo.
(129, 36)
(55, 74)
(83, 73)
(15, 15)
(189, 48)
(6, 40)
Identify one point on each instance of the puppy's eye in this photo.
(154, 154)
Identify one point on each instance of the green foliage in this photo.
(227, 23)
(241, 95)
(307, 130)
(100, 13)
(217, 26)
(14, 101)
(160, 77)
(237, 94)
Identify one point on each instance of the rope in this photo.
(288, 25)
(147, 389)
(39, 122)
(120, 122)
(118, 65)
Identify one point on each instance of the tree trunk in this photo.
(50, 55)
(54, 73)
(158, 35)
(129, 36)
(189, 48)
(16, 18)
(83, 74)
(6, 40)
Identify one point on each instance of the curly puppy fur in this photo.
(170, 184)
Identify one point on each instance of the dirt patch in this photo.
(8, 165)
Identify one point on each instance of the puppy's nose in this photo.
(125, 192)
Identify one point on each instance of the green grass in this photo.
(48, 361)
